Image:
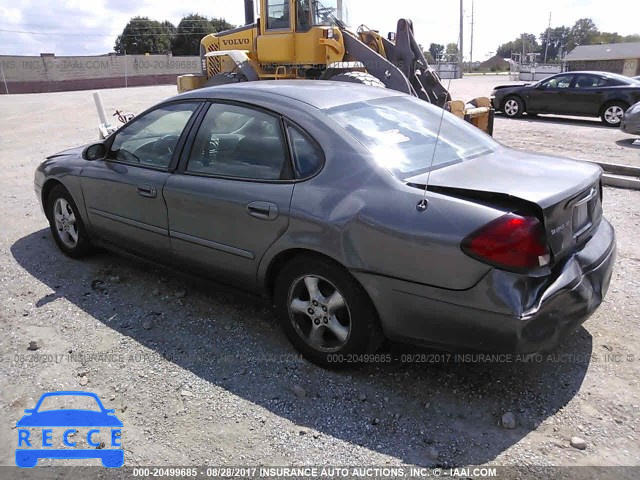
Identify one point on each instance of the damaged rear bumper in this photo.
(504, 312)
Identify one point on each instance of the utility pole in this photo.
(472, 23)
(546, 47)
(461, 49)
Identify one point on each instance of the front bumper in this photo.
(631, 124)
(38, 181)
(504, 312)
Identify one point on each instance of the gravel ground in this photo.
(200, 374)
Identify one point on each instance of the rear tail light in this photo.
(510, 242)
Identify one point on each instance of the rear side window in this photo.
(590, 81)
(307, 155)
(239, 142)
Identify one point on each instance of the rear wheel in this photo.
(513, 107)
(612, 113)
(324, 312)
(358, 77)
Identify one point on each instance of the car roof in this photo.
(596, 72)
(317, 93)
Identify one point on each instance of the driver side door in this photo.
(550, 95)
(123, 191)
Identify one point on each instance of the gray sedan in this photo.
(631, 120)
(361, 213)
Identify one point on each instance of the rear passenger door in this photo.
(585, 97)
(230, 198)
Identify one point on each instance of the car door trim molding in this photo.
(213, 245)
(128, 221)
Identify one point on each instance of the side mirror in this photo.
(391, 37)
(29, 410)
(94, 152)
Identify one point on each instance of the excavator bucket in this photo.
(407, 70)
(477, 112)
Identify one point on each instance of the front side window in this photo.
(239, 142)
(402, 134)
(325, 12)
(563, 81)
(151, 139)
(278, 15)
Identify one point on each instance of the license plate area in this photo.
(583, 212)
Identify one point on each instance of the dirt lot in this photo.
(201, 375)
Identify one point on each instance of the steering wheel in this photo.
(165, 145)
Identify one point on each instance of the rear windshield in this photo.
(622, 79)
(402, 134)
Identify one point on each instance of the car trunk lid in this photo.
(564, 193)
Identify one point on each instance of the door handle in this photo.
(263, 210)
(147, 191)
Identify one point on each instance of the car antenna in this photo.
(424, 203)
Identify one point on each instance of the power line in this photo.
(99, 34)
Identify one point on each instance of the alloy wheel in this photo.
(511, 107)
(613, 114)
(65, 221)
(319, 313)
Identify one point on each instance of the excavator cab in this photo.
(290, 33)
(309, 39)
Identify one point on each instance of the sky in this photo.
(81, 27)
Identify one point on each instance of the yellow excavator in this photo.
(309, 39)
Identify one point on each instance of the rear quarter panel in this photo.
(358, 214)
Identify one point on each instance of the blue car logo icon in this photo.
(96, 421)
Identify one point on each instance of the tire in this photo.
(612, 113)
(358, 77)
(226, 78)
(513, 107)
(66, 224)
(324, 312)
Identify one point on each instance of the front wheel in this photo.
(66, 224)
(513, 107)
(612, 113)
(325, 313)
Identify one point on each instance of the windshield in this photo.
(401, 133)
(326, 11)
(65, 402)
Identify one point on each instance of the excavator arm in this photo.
(402, 66)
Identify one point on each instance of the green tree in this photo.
(436, 50)
(527, 43)
(428, 57)
(142, 35)
(632, 38)
(190, 31)
(452, 49)
(606, 37)
(558, 38)
(583, 32)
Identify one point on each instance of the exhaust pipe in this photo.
(249, 17)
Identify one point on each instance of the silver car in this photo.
(631, 120)
(361, 213)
